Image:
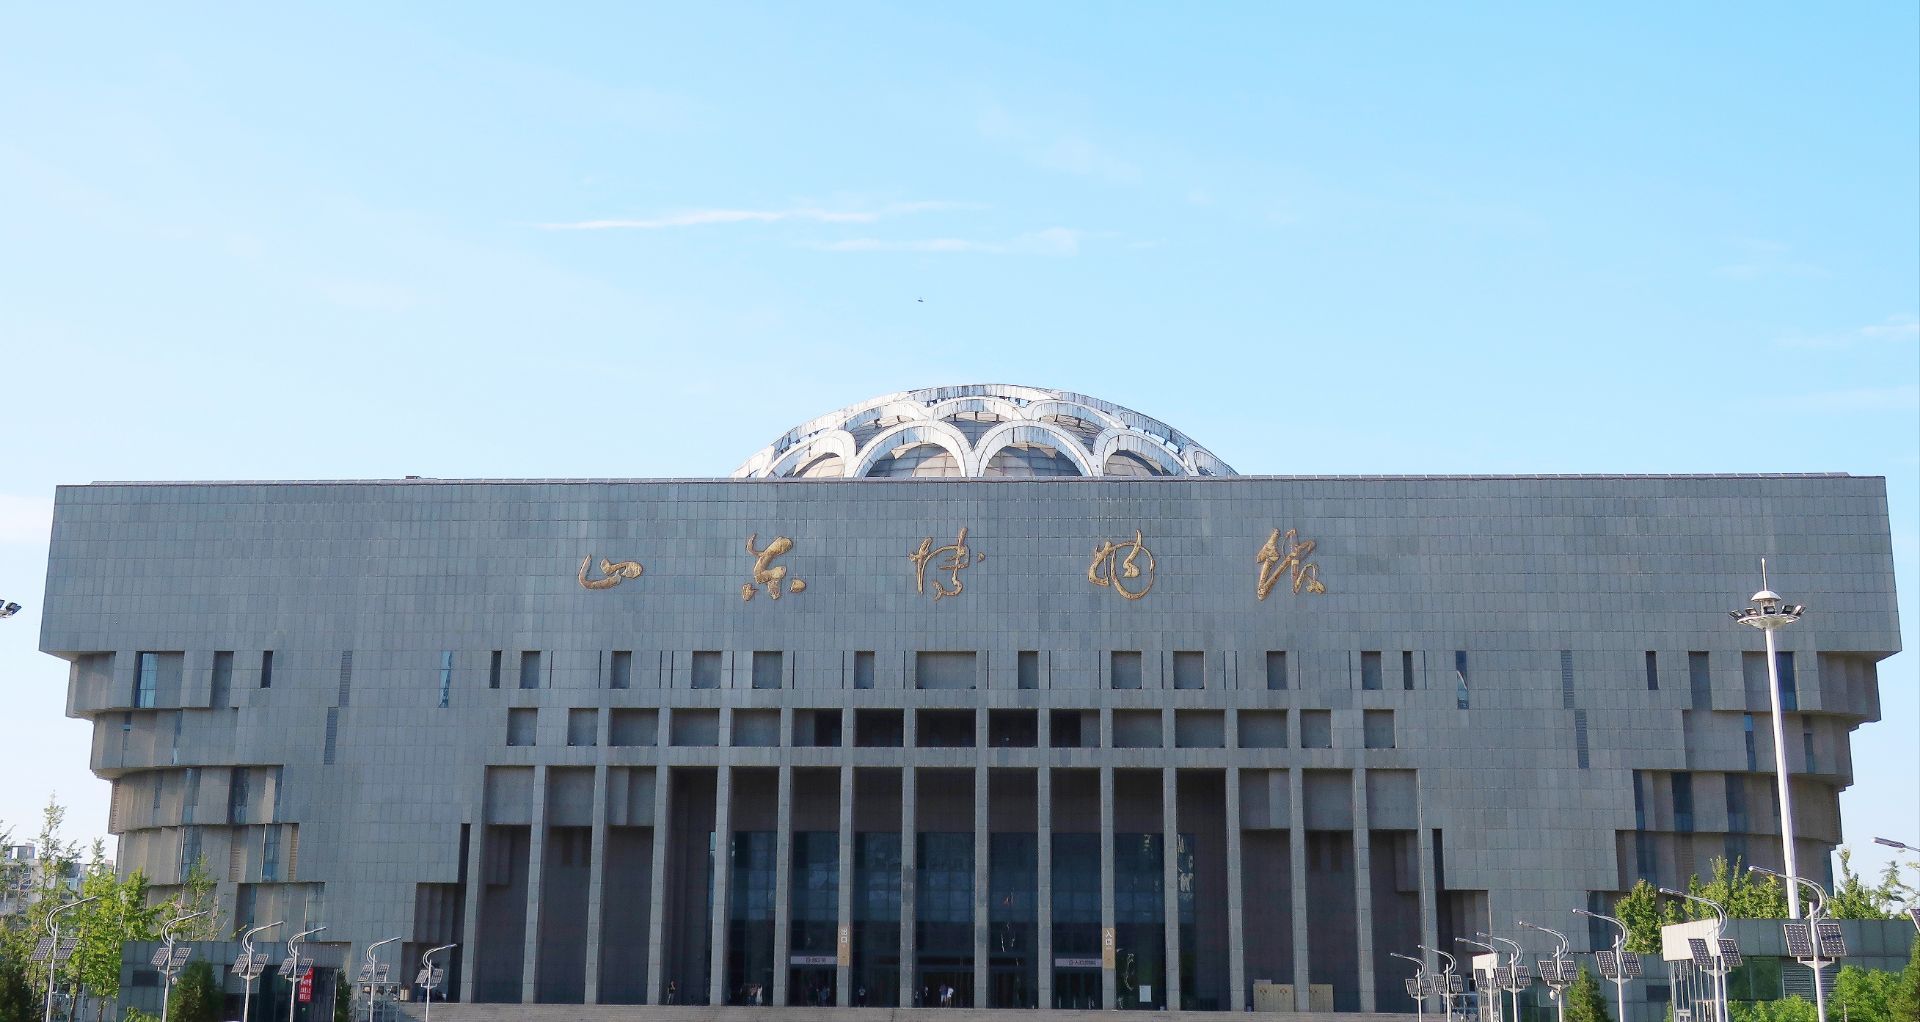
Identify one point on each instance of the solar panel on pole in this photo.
(42, 949)
(1799, 940)
(1702, 955)
(1608, 963)
(1413, 989)
(1833, 943)
(1630, 965)
(1730, 958)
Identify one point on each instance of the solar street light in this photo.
(1769, 613)
(55, 946)
(431, 975)
(1833, 943)
(373, 973)
(1814, 937)
(250, 965)
(291, 965)
(170, 959)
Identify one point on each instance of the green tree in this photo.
(196, 894)
(1644, 913)
(18, 1002)
(1584, 1001)
(196, 998)
(1903, 1005)
(1742, 894)
(342, 999)
(1863, 995)
(118, 913)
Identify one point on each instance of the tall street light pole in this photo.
(1517, 970)
(430, 979)
(253, 966)
(1619, 976)
(293, 965)
(1446, 978)
(1769, 613)
(53, 953)
(1718, 974)
(1492, 978)
(1419, 974)
(171, 964)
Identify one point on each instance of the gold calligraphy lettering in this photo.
(958, 558)
(1273, 564)
(766, 573)
(612, 573)
(1110, 569)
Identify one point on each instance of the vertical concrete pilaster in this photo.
(470, 935)
(1043, 886)
(843, 972)
(909, 882)
(1297, 846)
(1429, 898)
(1107, 976)
(981, 852)
(1237, 999)
(1170, 877)
(722, 886)
(1363, 889)
(536, 858)
(783, 884)
(597, 870)
(657, 893)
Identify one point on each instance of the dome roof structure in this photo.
(982, 430)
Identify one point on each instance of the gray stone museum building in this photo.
(987, 695)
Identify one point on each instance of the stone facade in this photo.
(410, 708)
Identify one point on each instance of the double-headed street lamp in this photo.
(1450, 985)
(431, 975)
(1559, 971)
(374, 974)
(290, 967)
(1488, 981)
(1717, 960)
(55, 951)
(1816, 943)
(1769, 613)
(250, 965)
(1518, 977)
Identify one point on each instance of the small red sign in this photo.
(306, 986)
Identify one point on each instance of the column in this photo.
(1043, 887)
(1429, 898)
(1363, 888)
(476, 881)
(1236, 900)
(1170, 873)
(536, 858)
(909, 880)
(657, 899)
(843, 973)
(722, 886)
(1107, 976)
(597, 868)
(783, 881)
(982, 848)
(1297, 846)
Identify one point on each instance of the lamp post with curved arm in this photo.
(1718, 972)
(53, 948)
(253, 968)
(169, 965)
(1620, 952)
(1419, 976)
(1517, 972)
(371, 970)
(1816, 913)
(1556, 978)
(291, 968)
(1492, 978)
(1446, 979)
(427, 978)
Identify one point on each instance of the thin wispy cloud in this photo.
(801, 214)
(1760, 258)
(1893, 329)
(1864, 399)
(1054, 241)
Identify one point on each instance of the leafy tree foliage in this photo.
(1854, 898)
(196, 997)
(18, 1003)
(1791, 1009)
(1903, 1004)
(118, 913)
(1742, 894)
(342, 1000)
(1862, 994)
(1584, 1001)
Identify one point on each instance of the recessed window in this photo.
(493, 670)
(147, 679)
(530, 668)
(863, 669)
(1653, 671)
(221, 691)
(1124, 669)
(767, 666)
(1378, 728)
(1189, 669)
(706, 668)
(446, 677)
(582, 725)
(1316, 729)
(943, 670)
(1370, 671)
(620, 669)
(521, 722)
(1460, 696)
(266, 669)
(1406, 670)
(1276, 669)
(1029, 668)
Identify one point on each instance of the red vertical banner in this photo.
(306, 986)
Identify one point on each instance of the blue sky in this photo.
(373, 240)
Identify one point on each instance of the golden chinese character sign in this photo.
(766, 573)
(952, 559)
(612, 573)
(1274, 563)
(1129, 576)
